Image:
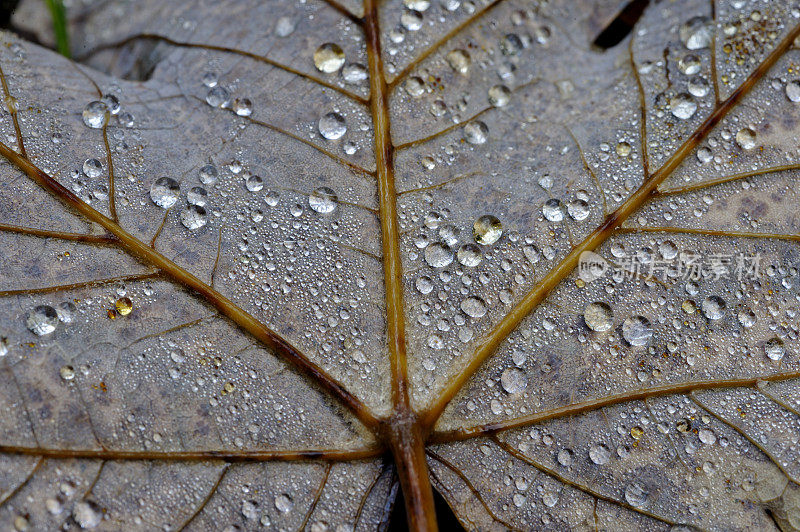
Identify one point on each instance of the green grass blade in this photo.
(59, 16)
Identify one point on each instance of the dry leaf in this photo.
(264, 262)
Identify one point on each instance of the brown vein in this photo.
(317, 496)
(438, 44)
(720, 180)
(24, 483)
(440, 185)
(160, 228)
(59, 235)
(762, 387)
(207, 498)
(344, 12)
(444, 131)
(365, 498)
(471, 487)
(332, 455)
(589, 169)
(11, 105)
(225, 49)
(594, 404)
(580, 487)
(487, 345)
(643, 112)
(746, 436)
(707, 232)
(84, 284)
(149, 256)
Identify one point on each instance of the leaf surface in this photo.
(308, 316)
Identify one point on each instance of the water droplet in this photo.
(487, 230)
(414, 86)
(513, 380)
(417, 5)
(194, 217)
(66, 312)
(354, 73)
(553, 210)
(564, 457)
(704, 155)
(218, 97)
(42, 320)
(284, 27)
(511, 44)
(747, 317)
(637, 330)
(284, 503)
(774, 348)
(329, 58)
(474, 307)
(578, 210)
(793, 91)
(243, 107)
(164, 192)
(476, 132)
(598, 316)
(599, 454)
(197, 196)
(689, 64)
(746, 138)
(623, 149)
(67, 373)
(92, 168)
(713, 307)
(332, 126)
(459, 61)
(682, 106)
(636, 494)
(698, 86)
(438, 255)
(208, 174)
(210, 79)
(707, 436)
(125, 119)
(411, 20)
(499, 95)
(696, 33)
(112, 103)
(532, 253)
(95, 114)
(124, 306)
(323, 200)
(87, 514)
(469, 255)
(254, 183)
(424, 285)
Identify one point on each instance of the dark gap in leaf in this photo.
(444, 515)
(621, 26)
(134, 61)
(6, 9)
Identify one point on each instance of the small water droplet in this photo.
(124, 306)
(92, 168)
(774, 348)
(746, 138)
(499, 95)
(476, 132)
(696, 33)
(243, 107)
(218, 97)
(438, 255)
(474, 307)
(793, 91)
(553, 210)
(208, 174)
(254, 183)
(284, 503)
(459, 60)
(354, 73)
(682, 106)
(599, 454)
(636, 494)
(67, 373)
(469, 255)
(598, 316)
(713, 307)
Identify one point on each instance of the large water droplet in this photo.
(92, 168)
(499, 95)
(636, 494)
(42, 320)
(283, 503)
(474, 307)
(713, 307)
(774, 348)
(513, 380)
(553, 210)
(696, 33)
(194, 217)
(95, 114)
(208, 174)
(329, 58)
(598, 316)
(793, 91)
(469, 255)
(487, 230)
(218, 97)
(599, 454)
(323, 200)
(682, 106)
(476, 132)
(332, 126)
(746, 138)
(459, 61)
(164, 192)
(438, 255)
(637, 330)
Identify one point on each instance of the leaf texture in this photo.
(371, 279)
